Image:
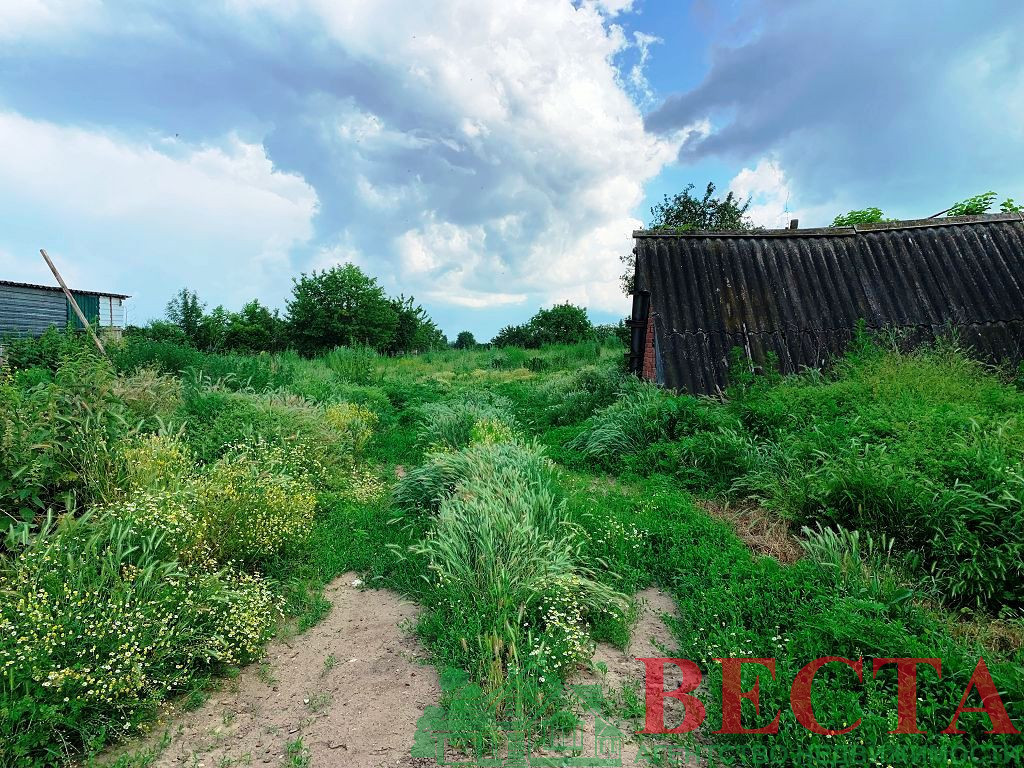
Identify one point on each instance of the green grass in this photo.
(515, 495)
(926, 448)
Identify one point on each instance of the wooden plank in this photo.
(74, 304)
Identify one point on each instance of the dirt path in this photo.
(350, 688)
(651, 638)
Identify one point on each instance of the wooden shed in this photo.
(28, 310)
(797, 295)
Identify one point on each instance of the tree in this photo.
(562, 324)
(513, 336)
(979, 204)
(866, 216)
(415, 331)
(465, 340)
(213, 329)
(685, 212)
(254, 329)
(187, 312)
(606, 332)
(340, 306)
(973, 206)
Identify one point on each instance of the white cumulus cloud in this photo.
(471, 154)
(139, 216)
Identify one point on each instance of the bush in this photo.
(99, 623)
(232, 371)
(216, 419)
(561, 324)
(48, 350)
(574, 397)
(58, 440)
(249, 510)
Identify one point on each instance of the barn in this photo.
(797, 295)
(28, 310)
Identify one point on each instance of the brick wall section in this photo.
(649, 372)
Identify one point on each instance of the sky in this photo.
(486, 158)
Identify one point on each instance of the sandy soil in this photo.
(350, 688)
(651, 638)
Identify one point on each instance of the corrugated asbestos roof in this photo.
(57, 288)
(800, 293)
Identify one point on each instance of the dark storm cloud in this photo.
(886, 101)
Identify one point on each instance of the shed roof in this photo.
(799, 293)
(58, 289)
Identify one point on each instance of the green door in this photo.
(90, 306)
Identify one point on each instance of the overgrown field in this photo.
(171, 510)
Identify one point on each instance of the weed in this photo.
(297, 754)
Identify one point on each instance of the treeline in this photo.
(561, 324)
(340, 306)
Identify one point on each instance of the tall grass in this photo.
(451, 425)
(925, 448)
(640, 416)
(507, 575)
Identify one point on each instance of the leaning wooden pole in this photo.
(73, 303)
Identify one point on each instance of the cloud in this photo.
(905, 107)
(469, 154)
(21, 18)
(641, 88)
(149, 218)
(766, 187)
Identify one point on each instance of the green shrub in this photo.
(923, 447)
(976, 550)
(575, 396)
(233, 371)
(249, 510)
(708, 461)
(58, 440)
(99, 623)
(848, 597)
(318, 383)
(216, 419)
(26, 378)
(48, 350)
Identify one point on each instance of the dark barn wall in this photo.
(29, 311)
(800, 293)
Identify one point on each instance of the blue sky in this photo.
(486, 158)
